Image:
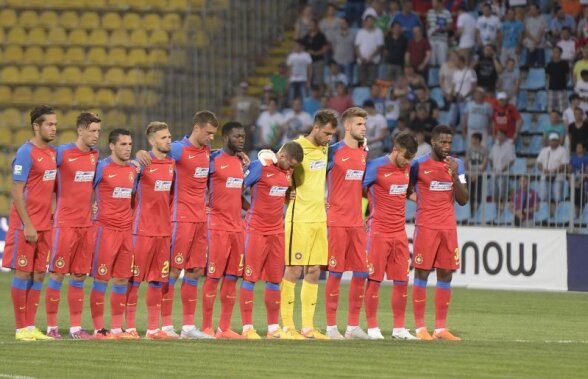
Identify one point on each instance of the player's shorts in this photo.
(150, 259)
(225, 253)
(435, 248)
(23, 256)
(306, 244)
(388, 254)
(72, 250)
(264, 257)
(113, 254)
(347, 249)
(188, 245)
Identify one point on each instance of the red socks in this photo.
(33, 297)
(442, 300)
(131, 305)
(272, 303)
(332, 297)
(167, 302)
(18, 292)
(246, 302)
(419, 302)
(399, 300)
(118, 300)
(227, 292)
(154, 295)
(189, 295)
(209, 295)
(372, 301)
(75, 300)
(356, 291)
(52, 298)
(97, 304)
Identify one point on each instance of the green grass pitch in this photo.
(506, 334)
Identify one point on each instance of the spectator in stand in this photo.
(488, 27)
(535, 28)
(330, 24)
(269, 126)
(266, 96)
(395, 45)
(344, 50)
(464, 84)
(400, 127)
(581, 89)
(466, 31)
(446, 77)
(582, 30)
(353, 11)
(423, 147)
(418, 53)
(552, 162)
(369, 43)
(578, 129)
(555, 126)
(567, 44)
(581, 64)
(413, 79)
(439, 24)
(423, 122)
(524, 203)
(498, 8)
(560, 21)
(302, 25)
(502, 157)
(487, 68)
(393, 111)
(317, 46)
(377, 98)
(312, 103)
(296, 122)
(376, 130)
(579, 167)
(376, 10)
(558, 73)
(407, 19)
(476, 162)
(572, 7)
(506, 118)
(279, 82)
(245, 110)
(423, 99)
(300, 71)
(477, 117)
(569, 114)
(342, 100)
(335, 76)
(509, 81)
(512, 37)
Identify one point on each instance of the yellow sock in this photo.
(287, 297)
(308, 296)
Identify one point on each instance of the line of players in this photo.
(124, 239)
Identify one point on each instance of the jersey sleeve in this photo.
(414, 172)
(461, 171)
(176, 151)
(21, 166)
(371, 171)
(253, 174)
(331, 156)
(59, 154)
(98, 176)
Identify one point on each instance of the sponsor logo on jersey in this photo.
(317, 165)
(234, 182)
(398, 189)
(17, 169)
(354, 175)
(84, 176)
(162, 185)
(201, 172)
(278, 191)
(131, 176)
(122, 193)
(440, 186)
(49, 175)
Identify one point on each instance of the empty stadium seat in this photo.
(75, 54)
(97, 55)
(125, 97)
(29, 74)
(5, 94)
(179, 37)
(505, 218)
(12, 117)
(158, 37)
(84, 96)
(178, 5)
(5, 139)
(486, 213)
(69, 118)
(115, 117)
(98, 37)
(410, 210)
(5, 204)
(154, 77)
(119, 37)
(359, 95)
(28, 19)
(67, 136)
(458, 144)
(535, 79)
(54, 55)
(78, 37)
(57, 35)
(69, 19)
(542, 213)
(115, 75)
(13, 53)
(564, 212)
(522, 100)
(50, 74)
(118, 56)
(582, 220)
(16, 35)
(21, 136)
(540, 102)
(63, 96)
(71, 75)
(171, 21)
(462, 212)
(111, 21)
(8, 18)
(527, 122)
(42, 95)
(49, 19)
(2, 36)
(93, 75)
(139, 37)
(34, 54)
(135, 76)
(156, 56)
(543, 122)
(151, 21)
(90, 20)
(131, 21)
(37, 36)
(519, 167)
(148, 98)
(10, 74)
(437, 95)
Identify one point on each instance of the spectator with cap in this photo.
(552, 162)
(506, 118)
(317, 46)
(476, 162)
(578, 129)
(509, 81)
(466, 31)
(407, 19)
(534, 41)
(343, 46)
(418, 53)
(555, 126)
(342, 100)
(335, 76)
(395, 45)
(524, 203)
(511, 37)
(439, 24)
(487, 68)
(488, 27)
(560, 21)
(557, 72)
(477, 116)
(376, 130)
(300, 66)
(502, 157)
(369, 43)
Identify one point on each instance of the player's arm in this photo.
(139, 168)
(414, 174)
(21, 168)
(459, 182)
(251, 177)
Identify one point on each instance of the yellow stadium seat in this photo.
(5, 204)
(119, 37)
(92, 75)
(84, 96)
(148, 98)
(71, 74)
(54, 55)
(155, 4)
(29, 74)
(105, 96)
(96, 3)
(153, 77)
(78, 37)
(28, 19)
(8, 17)
(21, 136)
(5, 94)
(63, 96)
(22, 95)
(10, 74)
(75, 54)
(179, 37)
(12, 117)
(97, 55)
(139, 37)
(13, 53)
(90, 20)
(2, 36)
(118, 56)
(151, 21)
(5, 139)
(159, 37)
(158, 56)
(67, 136)
(3, 181)
(37, 36)
(115, 117)
(111, 21)
(42, 95)
(115, 75)
(49, 19)
(17, 36)
(125, 97)
(201, 39)
(34, 54)
(69, 20)
(135, 76)
(137, 56)
(131, 21)
(50, 74)
(69, 118)
(98, 37)
(177, 5)
(57, 36)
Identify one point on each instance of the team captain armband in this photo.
(462, 178)
(266, 157)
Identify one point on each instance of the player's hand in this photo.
(94, 208)
(451, 165)
(143, 157)
(244, 158)
(292, 195)
(30, 233)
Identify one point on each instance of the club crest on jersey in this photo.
(201, 172)
(52, 156)
(92, 159)
(22, 261)
(418, 259)
(363, 159)
(234, 182)
(298, 255)
(179, 259)
(248, 271)
(135, 270)
(102, 270)
(131, 177)
(370, 269)
(440, 186)
(60, 262)
(211, 268)
(317, 165)
(332, 262)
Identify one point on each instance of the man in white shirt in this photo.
(296, 122)
(552, 162)
(488, 27)
(369, 43)
(568, 115)
(466, 30)
(300, 71)
(376, 130)
(269, 126)
(439, 23)
(502, 157)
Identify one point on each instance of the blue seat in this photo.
(458, 144)
(543, 213)
(462, 212)
(433, 79)
(583, 219)
(486, 213)
(548, 53)
(520, 166)
(527, 122)
(543, 122)
(522, 100)
(437, 95)
(444, 118)
(540, 102)
(535, 79)
(535, 146)
(410, 210)
(563, 214)
(359, 95)
(523, 57)
(506, 218)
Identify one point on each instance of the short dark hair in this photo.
(556, 111)
(574, 96)
(85, 119)
(441, 129)
(478, 136)
(353, 112)
(39, 112)
(202, 118)
(581, 143)
(293, 150)
(406, 140)
(113, 136)
(558, 48)
(324, 117)
(229, 126)
(154, 127)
